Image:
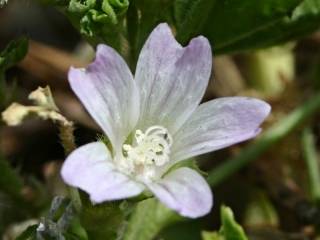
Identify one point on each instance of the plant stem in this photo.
(68, 142)
(67, 138)
(267, 139)
(311, 158)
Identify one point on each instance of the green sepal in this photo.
(148, 218)
(115, 8)
(230, 229)
(91, 21)
(106, 220)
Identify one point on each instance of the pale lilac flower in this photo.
(153, 120)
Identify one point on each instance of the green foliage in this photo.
(29, 233)
(256, 24)
(12, 54)
(99, 21)
(190, 16)
(230, 229)
(10, 182)
(148, 218)
(243, 19)
(311, 158)
(143, 16)
(60, 223)
(230, 25)
(238, 25)
(106, 220)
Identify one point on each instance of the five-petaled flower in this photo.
(153, 121)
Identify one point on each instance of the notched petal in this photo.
(108, 92)
(171, 78)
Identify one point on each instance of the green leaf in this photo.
(61, 222)
(190, 16)
(148, 15)
(90, 23)
(10, 182)
(99, 21)
(211, 236)
(29, 234)
(106, 220)
(304, 20)
(259, 24)
(148, 219)
(13, 53)
(80, 7)
(230, 229)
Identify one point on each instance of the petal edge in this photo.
(185, 191)
(91, 169)
(218, 124)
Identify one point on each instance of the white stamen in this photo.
(148, 151)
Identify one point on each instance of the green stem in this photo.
(3, 99)
(267, 139)
(311, 158)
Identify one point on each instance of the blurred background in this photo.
(268, 49)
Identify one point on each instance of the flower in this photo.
(153, 121)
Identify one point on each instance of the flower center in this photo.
(148, 151)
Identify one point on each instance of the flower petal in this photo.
(107, 90)
(217, 124)
(171, 79)
(185, 191)
(91, 169)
